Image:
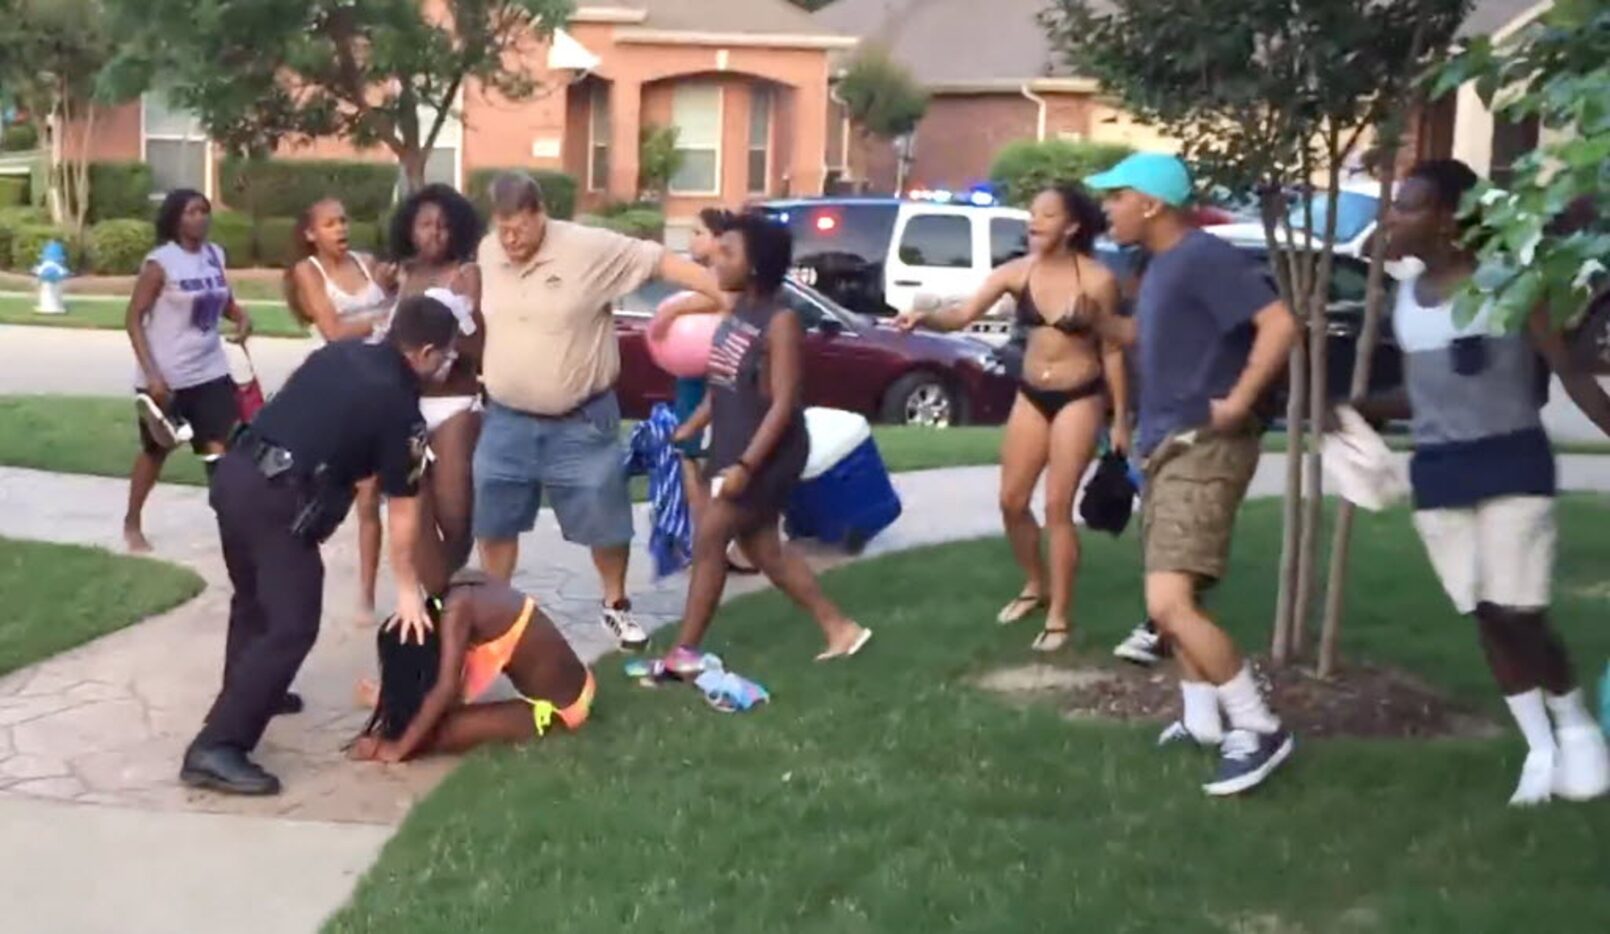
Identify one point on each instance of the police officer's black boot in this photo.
(225, 768)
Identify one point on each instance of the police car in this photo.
(876, 255)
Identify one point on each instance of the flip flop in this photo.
(1050, 640)
(1020, 607)
(857, 646)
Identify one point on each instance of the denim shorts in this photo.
(575, 458)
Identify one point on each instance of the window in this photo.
(943, 241)
(441, 166)
(696, 114)
(598, 131)
(176, 147)
(760, 101)
(1008, 240)
(1511, 141)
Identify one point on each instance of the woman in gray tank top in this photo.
(334, 291)
(182, 375)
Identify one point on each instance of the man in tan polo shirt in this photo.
(550, 366)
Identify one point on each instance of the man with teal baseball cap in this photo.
(1154, 174)
(1210, 336)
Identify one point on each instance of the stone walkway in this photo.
(91, 739)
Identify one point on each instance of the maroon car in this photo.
(851, 362)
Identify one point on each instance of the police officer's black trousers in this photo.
(279, 593)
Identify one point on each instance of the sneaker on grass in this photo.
(1247, 758)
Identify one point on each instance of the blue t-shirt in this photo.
(1194, 316)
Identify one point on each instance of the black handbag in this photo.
(1109, 497)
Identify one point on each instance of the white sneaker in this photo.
(1582, 766)
(1537, 781)
(1143, 646)
(620, 622)
(166, 431)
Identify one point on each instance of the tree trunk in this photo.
(80, 169)
(1369, 336)
(1286, 605)
(411, 164)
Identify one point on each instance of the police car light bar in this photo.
(977, 197)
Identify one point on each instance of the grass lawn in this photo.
(267, 320)
(60, 596)
(888, 794)
(96, 435)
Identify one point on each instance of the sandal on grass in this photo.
(1021, 606)
(1051, 639)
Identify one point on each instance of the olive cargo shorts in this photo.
(1195, 482)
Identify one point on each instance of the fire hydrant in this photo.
(50, 272)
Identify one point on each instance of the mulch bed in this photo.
(1362, 701)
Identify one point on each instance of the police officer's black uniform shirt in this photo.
(352, 406)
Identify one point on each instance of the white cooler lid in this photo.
(834, 433)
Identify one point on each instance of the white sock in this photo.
(1570, 711)
(1200, 703)
(1244, 706)
(1532, 716)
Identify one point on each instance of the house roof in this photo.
(761, 17)
(953, 42)
(1489, 16)
(966, 42)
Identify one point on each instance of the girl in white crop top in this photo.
(333, 290)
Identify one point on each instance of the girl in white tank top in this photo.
(314, 287)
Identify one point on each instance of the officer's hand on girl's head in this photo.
(411, 618)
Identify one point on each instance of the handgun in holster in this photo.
(321, 507)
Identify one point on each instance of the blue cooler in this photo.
(844, 497)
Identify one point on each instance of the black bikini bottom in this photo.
(1052, 401)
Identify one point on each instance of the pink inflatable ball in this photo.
(685, 350)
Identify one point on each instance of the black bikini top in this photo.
(1029, 315)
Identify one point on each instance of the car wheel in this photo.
(921, 399)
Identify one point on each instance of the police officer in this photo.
(350, 411)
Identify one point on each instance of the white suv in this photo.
(876, 255)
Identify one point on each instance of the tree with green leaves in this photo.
(1556, 70)
(658, 160)
(881, 97)
(52, 53)
(373, 72)
(1269, 96)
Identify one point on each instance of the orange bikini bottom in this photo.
(483, 664)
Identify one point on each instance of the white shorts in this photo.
(1499, 552)
(438, 409)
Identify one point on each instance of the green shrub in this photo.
(19, 137)
(274, 246)
(286, 187)
(120, 190)
(13, 218)
(1025, 168)
(232, 232)
(29, 240)
(634, 221)
(118, 247)
(558, 190)
(13, 192)
(364, 237)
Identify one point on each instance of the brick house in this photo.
(993, 80)
(745, 83)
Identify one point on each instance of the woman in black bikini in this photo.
(1069, 378)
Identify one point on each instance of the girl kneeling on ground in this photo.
(426, 699)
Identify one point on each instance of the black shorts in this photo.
(210, 409)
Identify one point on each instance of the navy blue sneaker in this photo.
(1247, 758)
